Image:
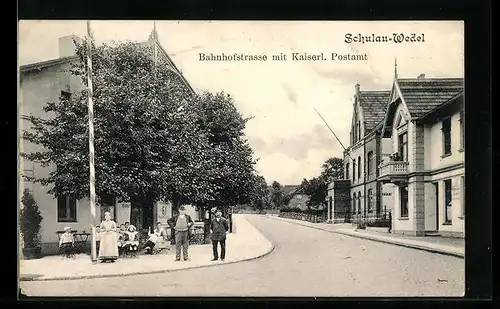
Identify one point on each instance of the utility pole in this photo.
(93, 250)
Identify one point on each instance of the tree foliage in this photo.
(30, 220)
(277, 195)
(332, 169)
(316, 187)
(260, 194)
(234, 179)
(153, 136)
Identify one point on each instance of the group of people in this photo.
(181, 225)
(126, 238)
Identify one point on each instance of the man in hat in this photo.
(219, 227)
(181, 224)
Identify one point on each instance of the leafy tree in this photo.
(316, 188)
(260, 193)
(332, 169)
(145, 144)
(233, 173)
(277, 195)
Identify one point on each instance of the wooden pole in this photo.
(91, 144)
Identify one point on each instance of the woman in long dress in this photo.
(108, 248)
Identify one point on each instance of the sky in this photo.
(289, 139)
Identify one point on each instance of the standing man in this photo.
(219, 227)
(181, 224)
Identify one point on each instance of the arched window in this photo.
(347, 171)
(353, 170)
(359, 202)
(359, 130)
(359, 167)
(369, 163)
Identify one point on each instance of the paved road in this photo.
(306, 262)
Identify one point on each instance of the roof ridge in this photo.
(364, 91)
(426, 79)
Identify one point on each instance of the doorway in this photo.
(436, 190)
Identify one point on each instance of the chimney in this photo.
(421, 76)
(67, 47)
(357, 88)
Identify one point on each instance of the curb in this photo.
(269, 251)
(432, 250)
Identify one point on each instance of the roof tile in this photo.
(422, 95)
(374, 105)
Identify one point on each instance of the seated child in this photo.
(66, 242)
(131, 241)
(156, 237)
(120, 235)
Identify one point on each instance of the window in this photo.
(403, 196)
(355, 135)
(447, 201)
(369, 163)
(462, 133)
(347, 171)
(354, 170)
(354, 203)
(403, 146)
(370, 198)
(462, 196)
(446, 129)
(107, 203)
(359, 167)
(66, 208)
(359, 202)
(359, 130)
(65, 95)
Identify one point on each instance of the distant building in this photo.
(47, 81)
(297, 199)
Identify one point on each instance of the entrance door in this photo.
(436, 189)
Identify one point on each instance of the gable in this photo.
(401, 119)
(164, 59)
(396, 99)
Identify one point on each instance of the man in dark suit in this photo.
(181, 223)
(219, 227)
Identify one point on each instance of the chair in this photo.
(161, 247)
(130, 250)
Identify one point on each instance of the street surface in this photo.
(305, 262)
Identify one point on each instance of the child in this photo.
(157, 236)
(131, 239)
(66, 242)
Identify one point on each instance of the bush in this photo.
(317, 212)
(30, 220)
(291, 209)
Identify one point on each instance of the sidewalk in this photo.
(246, 244)
(442, 245)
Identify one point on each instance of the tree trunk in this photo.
(175, 209)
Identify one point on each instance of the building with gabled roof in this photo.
(47, 81)
(425, 121)
(410, 152)
(359, 194)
